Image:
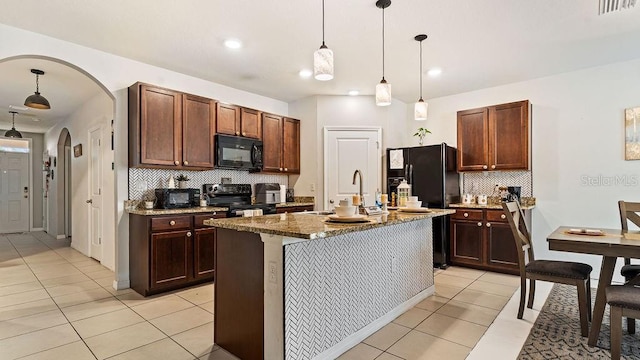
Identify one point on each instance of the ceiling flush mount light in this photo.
(36, 100)
(420, 109)
(323, 58)
(13, 133)
(383, 89)
(305, 73)
(233, 44)
(435, 72)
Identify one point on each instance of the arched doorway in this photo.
(63, 165)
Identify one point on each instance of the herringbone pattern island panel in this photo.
(336, 286)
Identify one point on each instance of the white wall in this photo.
(577, 130)
(116, 73)
(320, 111)
(95, 113)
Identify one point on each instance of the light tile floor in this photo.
(56, 303)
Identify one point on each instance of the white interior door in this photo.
(347, 150)
(14, 192)
(95, 200)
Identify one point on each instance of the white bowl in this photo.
(414, 204)
(412, 198)
(343, 211)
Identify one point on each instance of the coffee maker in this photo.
(514, 193)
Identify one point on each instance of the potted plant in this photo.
(421, 133)
(182, 181)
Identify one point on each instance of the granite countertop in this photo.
(292, 204)
(313, 226)
(526, 203)
(191, 210)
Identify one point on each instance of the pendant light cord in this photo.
(382, 43)
(37, 83)
(420, 69)
(323, 23)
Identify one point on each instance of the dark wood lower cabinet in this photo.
(482, 239)
(170, 251)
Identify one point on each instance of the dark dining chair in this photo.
(629, 212)
(623, 300)
(562, 272)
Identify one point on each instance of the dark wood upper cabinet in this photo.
(238, 121)
(155, 130)
(198, 129)
(250, 123)
(169, 129)
(228, 119)
(291, 145)
(281, 141)
(494, 138)
(272, 143)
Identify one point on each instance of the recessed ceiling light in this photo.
(353, 92)
(434, 72)
(305, 73)
(233, 44)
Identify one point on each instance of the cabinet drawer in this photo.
(467, 214)
(198, 219)
(496, 216)
(170, 223)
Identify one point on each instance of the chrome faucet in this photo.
(357, 172)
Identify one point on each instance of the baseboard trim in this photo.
(60, 237)
(357, 337)
(37, 229)
(122, 284)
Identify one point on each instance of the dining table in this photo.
(608, 243)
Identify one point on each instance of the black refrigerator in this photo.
(431, 172)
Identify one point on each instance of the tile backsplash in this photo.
(484, 182)
(143, 182)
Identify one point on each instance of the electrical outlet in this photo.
(394, 265)
(312, 187)
(273, 272)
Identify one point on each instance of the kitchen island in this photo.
(293, 286)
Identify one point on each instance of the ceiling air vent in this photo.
(609, 6)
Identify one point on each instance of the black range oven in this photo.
(236, 197)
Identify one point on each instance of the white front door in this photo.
(95, 200)
(14, 192)
(347, 150)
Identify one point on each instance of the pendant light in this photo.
(13, 133)
(323, 58)
(383, 89)
(420, 109)
(36, 100)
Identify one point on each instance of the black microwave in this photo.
(177, 198)
(238, 153)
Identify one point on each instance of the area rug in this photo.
(556, 332)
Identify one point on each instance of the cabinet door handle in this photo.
(466, 215)
(177, 162)
(488, 224)
(479, 223)
(186, 163)
(172, 222)
(244, 133)
(285, 169)
(503, 216)
(280, 169)
(210, 219)
(484, 167)
(188, 233)
(213, 213)
(493, 167)
(237, 132)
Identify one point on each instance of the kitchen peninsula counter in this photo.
(292, 286)
(314, 226)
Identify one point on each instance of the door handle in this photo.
(330, 201)
(90, 201)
